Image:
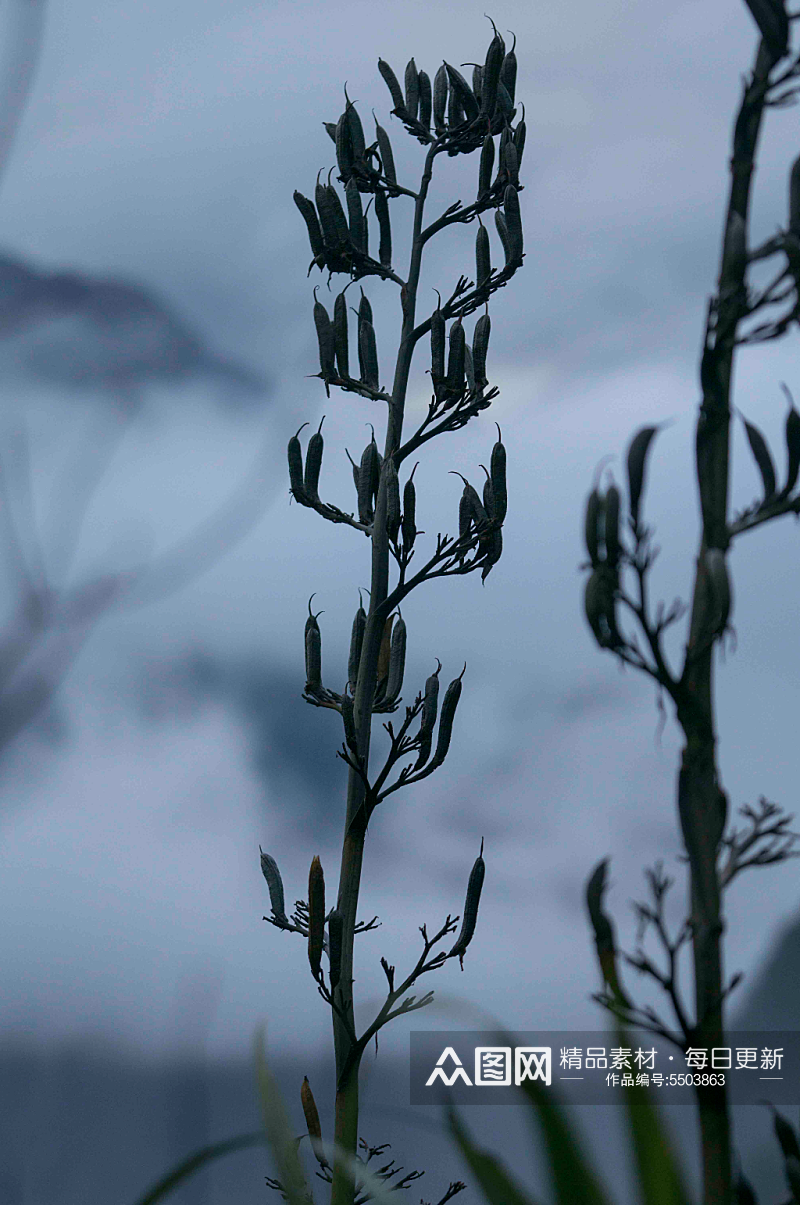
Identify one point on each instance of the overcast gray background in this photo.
(160, 148)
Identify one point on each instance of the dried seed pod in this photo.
(314, 462)
(327, 219)
(464, 516)
(498, 474)
(335, 932)
(356, 130)
(474, 888)
(355, 214)
(508, 72)
(354, 467)
(327, 347)
(794, 197)
(340, 340)
(377, 466)
(397, 660)
(409, 521)
(511, 162)
(385, 651)
(792, 447)
(637, 462)
(513, 221)
(430, 702)
(591, 527)
(385, 228)
(316, 915)
(313, 643)
(364, 309)
(438, 332)
(365, 477)
(479, 514)
(469, 368)
(365, 234)
(505, 105)
(312, 1122)
(519, 140)
(392, 84)
(440, 93)
(488, 494)
(338, 218)
(269, 869)
(600, 607)
(603, 929)
(477, 81)
(392, 499)
(472, 502)
(455, 110)
(486, 166)
(502, 230)
(449, 705)
(490, 76)
(344, 147)
(412, 89)
(611, 525)
(368, 355)
(296, 468)
(455, 358)
(385, 151)
(493, 552)
(311, 220)
(356, 641)
(719, 580)
(349, 721)
(330, 126)
(465, 94)
(425, 100)
(761, 455)
(480, 347)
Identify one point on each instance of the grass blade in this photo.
(496, 1183)
(280, 1139)
(659, 1176)
(573, 1179)
(185, 1169)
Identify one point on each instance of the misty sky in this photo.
(160, 150)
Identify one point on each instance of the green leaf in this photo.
(659, 1176)
(573, 1179)
(195, 1162)
(280, 1139)
(498, 1186)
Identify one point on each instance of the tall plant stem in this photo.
(701, 802)
(348, 1058)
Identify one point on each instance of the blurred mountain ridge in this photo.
(73, 330)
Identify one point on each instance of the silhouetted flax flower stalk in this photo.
(349, 223)
(716, 851)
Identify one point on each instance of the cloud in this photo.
(292, 747)
(76, 331)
